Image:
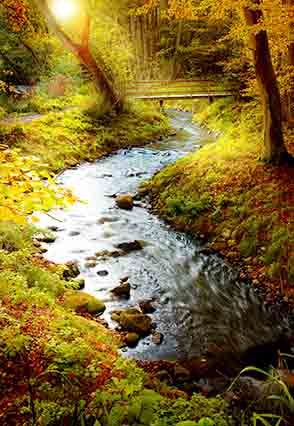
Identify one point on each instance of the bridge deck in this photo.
(183, 96)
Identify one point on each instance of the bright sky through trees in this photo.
(65, 9)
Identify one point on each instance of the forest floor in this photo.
(243, 207)
(58, 362)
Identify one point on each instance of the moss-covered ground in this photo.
(242, 206)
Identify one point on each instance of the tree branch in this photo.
(86, 32)
(68, 42)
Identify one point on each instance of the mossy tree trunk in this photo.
(274, 147)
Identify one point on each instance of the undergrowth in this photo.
(63, 139)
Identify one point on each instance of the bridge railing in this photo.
(174, 87)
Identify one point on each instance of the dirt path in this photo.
(25, 119)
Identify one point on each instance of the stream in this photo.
(199, 302)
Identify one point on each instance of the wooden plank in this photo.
(171, 81)
(175, 97)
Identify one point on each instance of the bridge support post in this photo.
(161, 105)
(210, 99)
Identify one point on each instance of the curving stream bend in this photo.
(198, 299)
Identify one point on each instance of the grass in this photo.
(63, 139)
(245, 208)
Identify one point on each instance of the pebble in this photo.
(53, 228)
(74, 233)
(102, 273)
(91, 264)
(123, 290)
(157, 338)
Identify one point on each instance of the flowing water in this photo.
(198, 299)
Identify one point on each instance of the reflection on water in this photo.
(198, 300)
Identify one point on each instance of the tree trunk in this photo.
(177, 47)
(291, 64)
(141, 44)
(274, 148)
(83, 53)
(163, 4)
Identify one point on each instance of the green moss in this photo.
(83, 302)
(63, 139)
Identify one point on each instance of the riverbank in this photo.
(58, 362)
(241, 206)
(64, 139)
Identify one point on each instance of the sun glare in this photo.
(64, 9)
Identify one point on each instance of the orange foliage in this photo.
(16, 13)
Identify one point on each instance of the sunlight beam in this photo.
(65, 9)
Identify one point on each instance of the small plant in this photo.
(266, 419)
(277, 391)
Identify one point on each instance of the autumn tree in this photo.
(256, 38)
(274, 146)
(25, 48)
(82, 50)
(289, 5)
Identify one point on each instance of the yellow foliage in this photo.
(27, 187)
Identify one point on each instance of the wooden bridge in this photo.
(161, 90)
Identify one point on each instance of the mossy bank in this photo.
(241, 205)
(64, 139)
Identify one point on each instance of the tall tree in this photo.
(290, 92)
(82, 50)
(274, 146)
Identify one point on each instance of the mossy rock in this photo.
(125, 202)
(133, 321)
(81, 302)
(123, 290)
(80, 283)
(131, 339)
(70, 270)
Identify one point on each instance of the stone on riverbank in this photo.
(71, 270)
(80, 282)
(83, 303)
(125, 202)
(130, 246)
(133, 321)
(91, 264)
(109, 253)
(123, 290)
(74, 233)
(102, 273)
(147, 307)
(45, 238)
(157, 338)
(131, 339)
